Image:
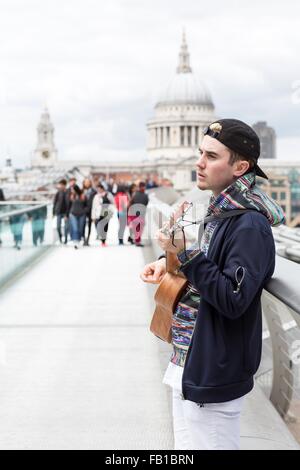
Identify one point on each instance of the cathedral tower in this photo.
(45, 153)
(181, 113)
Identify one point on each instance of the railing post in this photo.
(282, 386)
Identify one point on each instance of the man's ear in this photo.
(241, 167)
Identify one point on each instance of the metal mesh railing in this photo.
(25, 232)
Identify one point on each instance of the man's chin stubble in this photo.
(201, 187)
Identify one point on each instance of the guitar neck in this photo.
(172, 262)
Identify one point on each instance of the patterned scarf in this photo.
(242, 194)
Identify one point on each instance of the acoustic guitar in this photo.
(171, 286)
(174, 282)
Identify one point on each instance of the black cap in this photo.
(239, 137)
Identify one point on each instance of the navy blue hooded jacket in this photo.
(225, 350)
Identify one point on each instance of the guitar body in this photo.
(166, 298)
(169, 291)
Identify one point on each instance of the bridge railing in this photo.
(279, 372)
(281, 308)
(26, 231)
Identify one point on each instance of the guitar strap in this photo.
(171, 258)
(223, 215)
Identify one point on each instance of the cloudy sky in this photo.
(100, 66)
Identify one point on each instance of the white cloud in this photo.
(99, 66)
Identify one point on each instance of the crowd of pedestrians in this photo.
(80, 207)
(77, 208)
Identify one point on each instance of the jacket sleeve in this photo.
(250, 249)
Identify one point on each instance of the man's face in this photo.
(213, 169)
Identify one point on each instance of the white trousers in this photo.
(214, 426)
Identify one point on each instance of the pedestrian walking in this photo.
(121, 202)
(130, 218)
(137, 211)
(78, 207)
(102, 212)
(61, 207)
(89, 193)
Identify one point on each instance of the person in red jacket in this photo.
(122, 202)
(137, 211)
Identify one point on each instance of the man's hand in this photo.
(154, 272)
(165, 241)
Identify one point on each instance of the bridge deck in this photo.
(79, 369)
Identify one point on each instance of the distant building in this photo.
(175, 132)
(294, 179)
(45, 154)
(267, 138)
(8, 173)
(290, 171)
(183, 110)
(278, 188)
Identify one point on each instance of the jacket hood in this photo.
(244, 194)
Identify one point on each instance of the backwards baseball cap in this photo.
(239, 137)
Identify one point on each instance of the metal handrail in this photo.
(22, 203)
(7, 215)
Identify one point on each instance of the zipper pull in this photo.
(239, 282)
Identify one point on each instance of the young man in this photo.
(217, 325)
(61, 209)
